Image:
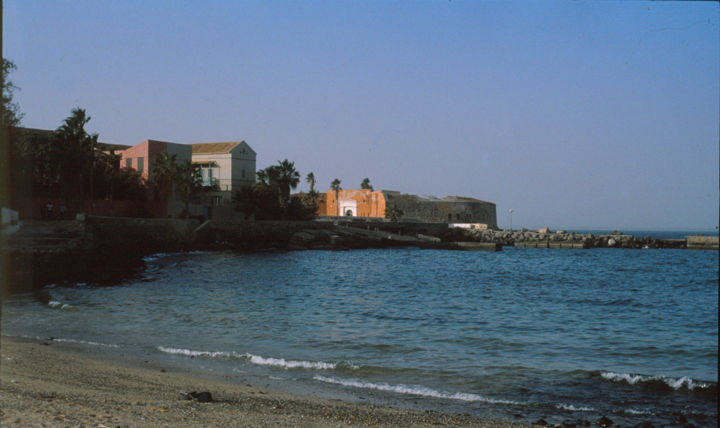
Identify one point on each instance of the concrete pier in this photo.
(702, 242)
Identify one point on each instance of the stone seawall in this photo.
(561, 239)
(255, 235)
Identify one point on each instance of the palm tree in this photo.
(163, 175)
(335, 185)
(311, 180)
(110, 168)
(188, 181)
(312, 195)
(366, 184)
(263, 178)
(287, 178)
(76, 150)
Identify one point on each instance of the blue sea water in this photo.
(520, 334)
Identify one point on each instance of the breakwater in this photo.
(563, 239)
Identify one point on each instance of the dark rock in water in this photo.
(200, 397)
(605, 422)
(517, 416)
(645, 424)
(681, 419)
(689, 426)
(541, 422)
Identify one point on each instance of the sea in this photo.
(523, 334)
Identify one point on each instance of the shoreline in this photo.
(44, 382)
(104, 250)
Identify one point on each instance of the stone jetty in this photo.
(545, 238)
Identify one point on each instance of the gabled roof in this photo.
(207, 148)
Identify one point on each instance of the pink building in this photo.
(142, 156)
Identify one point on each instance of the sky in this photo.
(573, 114)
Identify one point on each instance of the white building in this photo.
(229, 165)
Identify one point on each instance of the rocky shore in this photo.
(521, 237)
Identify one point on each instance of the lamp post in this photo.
(510, 211)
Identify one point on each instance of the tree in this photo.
(188, 181)
(366, 184)
(312, 196)
(335, 185)
(163, 175)
(269, 198)
(75, 155)
(11, 115)
(287, 178)
(393, 212)
(310, 179)
(246, 201)
(168, 175)
(128, 184)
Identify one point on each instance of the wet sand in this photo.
(43, 383)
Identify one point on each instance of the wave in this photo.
(662, 382)
(155, 257)
(414, 390)
(292, 364)
(572, 408)
(259, 360)
(85, 342)
(193, 354)
(632, 411)
(54, 304)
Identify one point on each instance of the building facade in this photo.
(354, 203)
(449, 209)
(141, 157)
(229, 166)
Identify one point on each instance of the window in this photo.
(128, 163)
(242, 174)
(141, 165)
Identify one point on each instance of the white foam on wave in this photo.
(254, 359)
(573, 408)
(54, 304)
(413, 390)
(674, 383)
(154, 257)
(190, 353)
(290, 364)
(86, 342)
(637, 412)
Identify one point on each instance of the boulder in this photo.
(200, 397)
(605, 422)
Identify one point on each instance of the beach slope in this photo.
(46, 384)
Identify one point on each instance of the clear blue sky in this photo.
(573, 114)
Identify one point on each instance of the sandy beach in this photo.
(45, 383)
